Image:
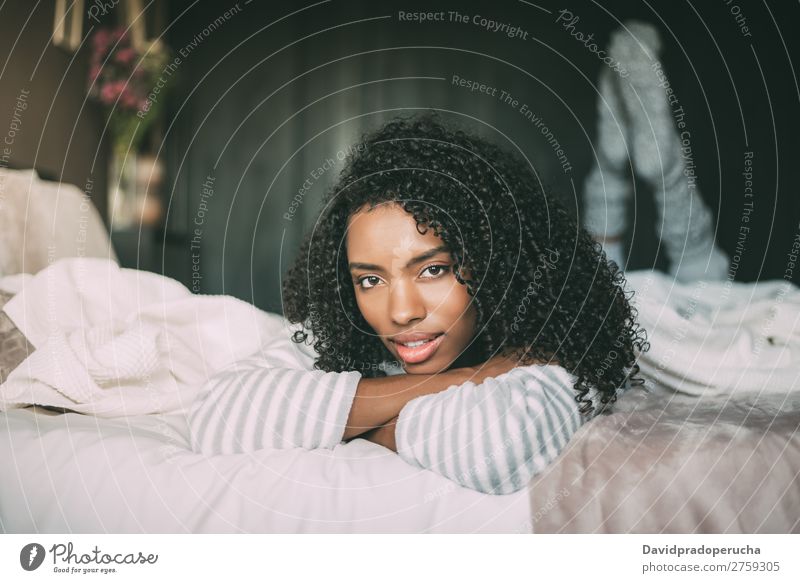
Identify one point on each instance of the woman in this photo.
(457, 316)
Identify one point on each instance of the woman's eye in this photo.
(435, 270)
(369, 281)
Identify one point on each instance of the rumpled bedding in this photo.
(85, 474)
(114, 342)
(663, 462)
(719, 338)
(711, 442)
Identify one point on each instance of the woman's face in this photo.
(406, 289)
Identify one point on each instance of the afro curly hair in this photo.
(542, 286)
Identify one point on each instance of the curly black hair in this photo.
(543, 287)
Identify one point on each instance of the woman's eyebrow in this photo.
(427, 255)
(413, 261)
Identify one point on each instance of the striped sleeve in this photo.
(494, 436)
(272, 401)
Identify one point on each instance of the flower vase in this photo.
(122, 195)
(149, 186)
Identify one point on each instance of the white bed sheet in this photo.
(84, 474)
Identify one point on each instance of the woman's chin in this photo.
(428, 367)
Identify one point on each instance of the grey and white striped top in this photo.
(491, 436)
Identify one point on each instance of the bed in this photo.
(78, 473)
(711, 442)
(670, 463)
(668, 459)
(660, 463)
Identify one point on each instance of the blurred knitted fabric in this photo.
(42, 221)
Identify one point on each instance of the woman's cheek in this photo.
(451, 296)
(371, 308)
(446, 289)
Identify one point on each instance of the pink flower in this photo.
(125, 56)
(94, 72)
(100, 40)
(111, 91)
(128, 99)
(119, 36)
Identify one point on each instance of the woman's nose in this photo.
(405, 303)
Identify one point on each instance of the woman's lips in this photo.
(417, 354)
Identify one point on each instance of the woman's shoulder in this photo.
(550, 379)
(551, 371)
(556, 377)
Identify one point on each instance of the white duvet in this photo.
(115, 342)
(78, 473)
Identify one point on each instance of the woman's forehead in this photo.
(387, 231)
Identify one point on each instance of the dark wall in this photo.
(59, 132)
(264, 96)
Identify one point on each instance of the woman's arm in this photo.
(258, 404)
(383, 435)
(493, 437)
(379, 400)
(278, 401)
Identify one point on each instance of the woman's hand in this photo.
(502, 363)
(383, 435)
(378, 401)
